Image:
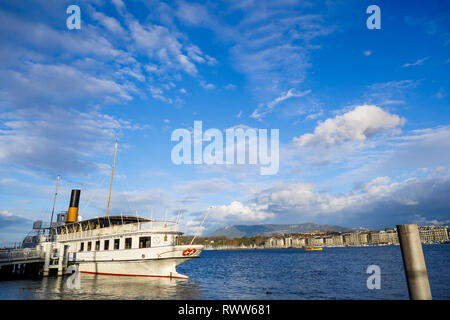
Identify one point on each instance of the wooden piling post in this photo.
(414, 262)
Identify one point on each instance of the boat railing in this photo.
(153, 226)
(20, 254)
(159, 226)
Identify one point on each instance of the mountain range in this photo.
(239, 231)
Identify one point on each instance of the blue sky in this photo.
(363, 114)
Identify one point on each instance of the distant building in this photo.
(299, 242)
(392, 236)
(270, 243)
(388, 236)
(316, 241)
(363, 238)
(384, 237)
(348, 239)
(338, 240)
(432, 234)
(288, 242)
(354, 239)
(374, 237)
(274, 243)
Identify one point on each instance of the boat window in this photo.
(128, 243)
(144, 242)
(106, 245)
(89, 246)
(116, 244)
(82, 246)
(165, 237)
(97, 246)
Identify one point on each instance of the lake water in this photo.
(334, 273)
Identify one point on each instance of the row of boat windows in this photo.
(144, 242)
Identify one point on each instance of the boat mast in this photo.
(112, 175)
(54, 201)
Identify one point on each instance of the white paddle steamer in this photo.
(121, 245)
(125, 246)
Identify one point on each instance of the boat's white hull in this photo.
(150, 262)
(145, 268)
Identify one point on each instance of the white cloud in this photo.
(119, 4)
(273, 46)
(193, 14)
(187, 65)
(238, 212)
(58, 140)
(207, 86)
(286, 95)
(401, 84)
(170, 49)
(356, 125)
(6, 213)
(196, 54)
(270, 42)
(157, 93)
(201, 188)
(109, 23)
(390, 92)
(440, 94)
(380, 202)
(264, 109)
(416, 63)
(367, 53)
(384, 155)
(315, 115)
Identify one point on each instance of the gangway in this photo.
(20, 256)
(38, 260)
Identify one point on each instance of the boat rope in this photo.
(89, 200)
(200, 227)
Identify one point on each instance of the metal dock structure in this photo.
(37, 261)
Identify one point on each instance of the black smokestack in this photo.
(75, 198)
(72, 213)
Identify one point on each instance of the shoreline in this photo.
(208, 248)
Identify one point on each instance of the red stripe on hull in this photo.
(132, 275)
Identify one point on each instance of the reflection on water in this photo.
(106, 287)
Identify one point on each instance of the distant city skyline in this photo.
(363, 114)
(323, 238)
